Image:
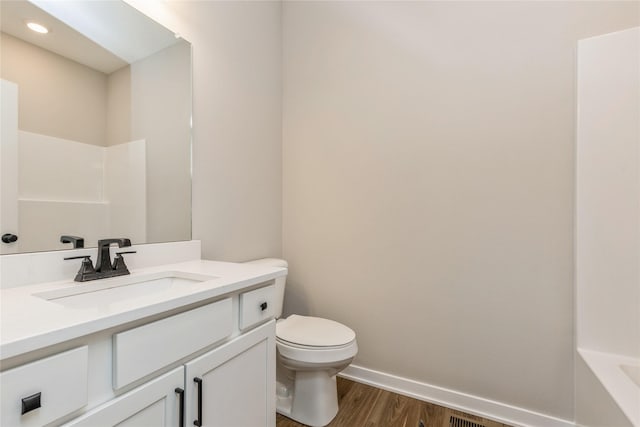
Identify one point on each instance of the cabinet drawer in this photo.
(141, 351)
(257, 306)
(60, 380)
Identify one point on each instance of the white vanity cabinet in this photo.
(211, 364)
(236, 389)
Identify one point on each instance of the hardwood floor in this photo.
(365, 406)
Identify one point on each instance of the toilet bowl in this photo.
(310, 352)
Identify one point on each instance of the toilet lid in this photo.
(313, 331)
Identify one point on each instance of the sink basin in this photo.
(115, 290)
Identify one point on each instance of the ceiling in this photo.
(103, 35)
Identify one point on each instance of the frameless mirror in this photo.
(96, 126)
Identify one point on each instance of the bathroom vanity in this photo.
(191, 343)
(179, 341)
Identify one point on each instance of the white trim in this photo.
(475, 405)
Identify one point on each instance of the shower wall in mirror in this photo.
(96, 127)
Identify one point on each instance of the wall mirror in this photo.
(96, 126)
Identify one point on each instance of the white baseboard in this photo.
(475, 405)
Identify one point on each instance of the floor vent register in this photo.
(454, 418)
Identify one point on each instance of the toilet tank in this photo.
(280, 281)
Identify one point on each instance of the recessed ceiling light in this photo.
(37, 27)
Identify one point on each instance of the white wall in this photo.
(58, 97)
(428, 186)
(119, 106)
(428, 174)
(161, 115)
(237, 164)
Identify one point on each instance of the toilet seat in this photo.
(310, 331)
(317, 355)
(315, 340)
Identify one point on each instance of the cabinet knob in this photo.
(30, 403)
(263, 306)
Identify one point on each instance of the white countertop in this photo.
(29, 322)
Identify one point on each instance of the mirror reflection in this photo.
(95, 126)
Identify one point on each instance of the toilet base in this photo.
(307, 391)
(311, 399)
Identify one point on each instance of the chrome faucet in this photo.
(104, 267)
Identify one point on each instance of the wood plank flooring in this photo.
(365, 406)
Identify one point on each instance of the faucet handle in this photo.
(78, 257)
(87, 271)
(126, 252)
(118, 263)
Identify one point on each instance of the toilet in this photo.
(310, 352)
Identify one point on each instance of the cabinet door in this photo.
(237, 382)
(155, 403)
